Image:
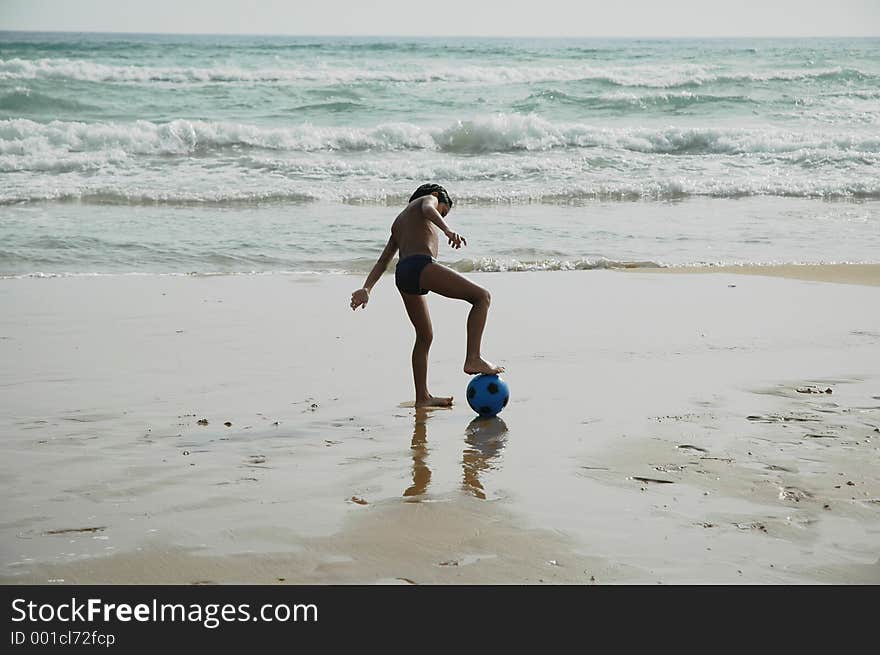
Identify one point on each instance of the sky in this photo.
(571, 18)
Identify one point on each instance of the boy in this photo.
(418, 272)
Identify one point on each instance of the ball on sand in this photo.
(487, 394)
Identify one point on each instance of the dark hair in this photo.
(428, 189)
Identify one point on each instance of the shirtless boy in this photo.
(418, 272)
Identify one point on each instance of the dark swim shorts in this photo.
(409, 271)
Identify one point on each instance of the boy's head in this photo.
(434, 190)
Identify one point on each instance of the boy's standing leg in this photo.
(417, 309)
(443, 280)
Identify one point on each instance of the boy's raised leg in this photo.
(443, 280)
(417, 309)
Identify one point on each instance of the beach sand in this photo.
(716, 428)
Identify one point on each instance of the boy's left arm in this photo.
(361, 297)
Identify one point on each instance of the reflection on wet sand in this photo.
(421, 474)
(485, 439)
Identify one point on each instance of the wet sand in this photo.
(662, 428)
(839, 273)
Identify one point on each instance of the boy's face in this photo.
(442, 207)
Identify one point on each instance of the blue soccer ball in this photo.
(487, 394)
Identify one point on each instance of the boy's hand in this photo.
(360, 298)
(455, 240)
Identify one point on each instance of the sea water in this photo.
(253, 154)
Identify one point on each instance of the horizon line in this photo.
(441, 36)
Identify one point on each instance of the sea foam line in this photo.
(494, 133)
(663, 75)
(226, 194)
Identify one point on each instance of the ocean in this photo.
(177, 154)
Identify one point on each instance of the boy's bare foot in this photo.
(480, 365)
(434, 401)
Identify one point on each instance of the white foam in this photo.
(499, 265)
(25, 137)
(492, 133)
(224, 192)
(660, 75)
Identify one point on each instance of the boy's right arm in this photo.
(361, 297)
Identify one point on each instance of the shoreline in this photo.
(863, 274)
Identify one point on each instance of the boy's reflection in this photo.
(484, 439)
(421, 474)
